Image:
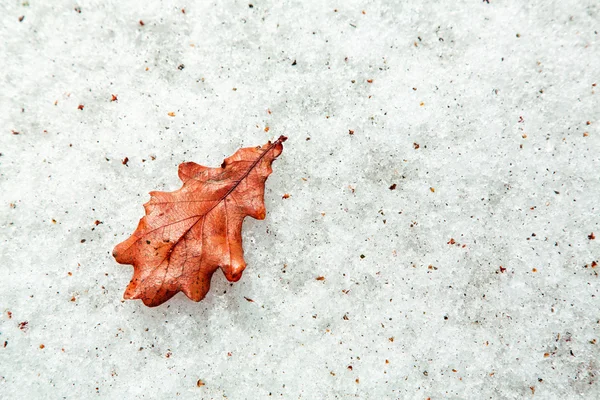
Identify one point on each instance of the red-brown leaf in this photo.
(188, 234)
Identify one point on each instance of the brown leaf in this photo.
(188, 234)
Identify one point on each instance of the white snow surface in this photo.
(472, 279)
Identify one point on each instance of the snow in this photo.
(500, 100)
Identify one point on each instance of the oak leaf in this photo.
(186, 235)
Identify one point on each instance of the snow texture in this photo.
(475, 278)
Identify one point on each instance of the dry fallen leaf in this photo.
(188, 234)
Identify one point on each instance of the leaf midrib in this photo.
(254, 164)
